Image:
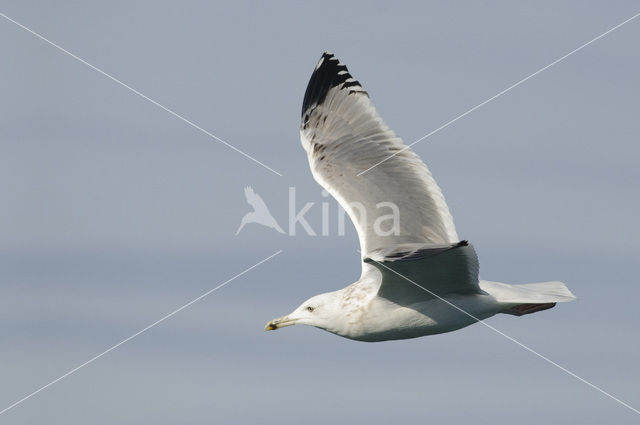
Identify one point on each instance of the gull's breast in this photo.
(383, 320)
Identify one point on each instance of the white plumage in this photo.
(343, 136)
(417, 277)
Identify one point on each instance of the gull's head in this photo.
(321, 311)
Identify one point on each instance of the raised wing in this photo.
(396, 203)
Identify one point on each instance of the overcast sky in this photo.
(115, 213)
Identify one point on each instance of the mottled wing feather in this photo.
(343, 135)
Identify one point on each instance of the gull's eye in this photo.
(310, 309)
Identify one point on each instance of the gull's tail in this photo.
(528, 298)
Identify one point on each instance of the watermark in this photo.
(383, 218)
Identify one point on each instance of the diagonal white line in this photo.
(175, 114)
(91, 360)
(502, 92)
(531, 350)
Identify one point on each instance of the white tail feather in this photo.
(530, 293)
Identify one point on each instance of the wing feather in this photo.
(343, 135)
(429, 273)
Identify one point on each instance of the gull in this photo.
(260, 213)
(418, 278)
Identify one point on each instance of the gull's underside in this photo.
(418, 279)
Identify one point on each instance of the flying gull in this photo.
(417, 278)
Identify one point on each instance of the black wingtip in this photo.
(329, 73)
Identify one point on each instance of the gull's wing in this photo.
(344, 136)
(428, 273)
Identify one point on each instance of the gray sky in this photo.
(114, 213)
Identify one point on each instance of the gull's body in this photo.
(417, 277)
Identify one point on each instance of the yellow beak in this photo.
(278, 323)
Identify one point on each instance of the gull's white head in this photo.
(322, 311)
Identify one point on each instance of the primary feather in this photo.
(343, 135)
